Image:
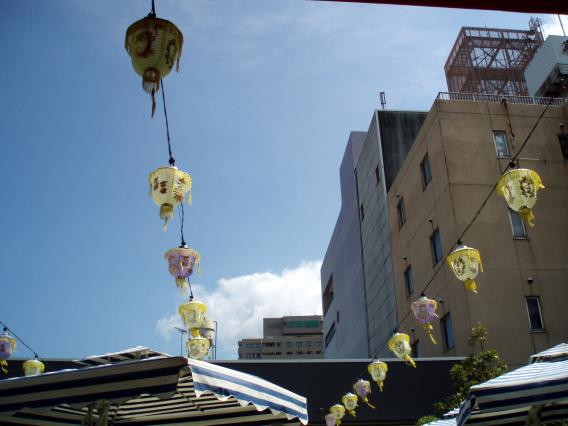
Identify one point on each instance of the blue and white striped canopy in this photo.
(509, 398)
(157, 390)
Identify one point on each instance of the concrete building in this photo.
(357, 283)
(286, 337)
(458, 156)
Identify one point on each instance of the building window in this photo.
(309, 344)
(377, 174)
(517, 225)
(535, 314)
(425, 170)
(362, 212)
(328, 294)
(501, 146)
(288, 344)
(447, 331)
(329, 335)
(401, 213)
(298, 345)
(436, 245)
(409, 280)
(416, 349)
(337, 316)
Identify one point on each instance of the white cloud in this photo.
(551, 25)
(240, 303)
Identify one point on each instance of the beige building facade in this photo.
(461, 150)
(292, 337)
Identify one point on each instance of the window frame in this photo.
(436, 260)
(415, 347)
(409, 288)
(447, 318)
(426, 177)
(504, 134)
(532, 329)
(328, 295)
(401, 212)
(525, 235)
(377, 174)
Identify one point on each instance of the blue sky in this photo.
(260, 112)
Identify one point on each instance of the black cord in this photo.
(153, 11)
(36, 355)
(181, 213)
(511, 164)
(172, 161)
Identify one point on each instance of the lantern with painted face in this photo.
(7, 348)
(182, 262)
(33, 367)
(399, 344)
(363, 389)
(519, 187)
(349, 401)
(465, 262)
(154, 46)
(168, 188)
(338, 412)
(378, 371)
(197, 346)
(193, 314)
(424, 311)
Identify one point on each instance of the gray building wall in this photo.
(389, 138)
(345, 323)
(363, 311)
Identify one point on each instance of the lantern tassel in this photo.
(527, 216)
(429, 328)
(153, 104)
(166, 213)
(380, 385)
(4, 366)
(409, 361)
(352, 412)
(470, 285)
(181, 283)
(366, 400)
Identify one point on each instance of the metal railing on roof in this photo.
(480, 97)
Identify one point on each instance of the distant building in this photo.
(286, 337)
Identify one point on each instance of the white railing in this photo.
(480, 97)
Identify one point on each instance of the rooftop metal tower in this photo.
(492, 61)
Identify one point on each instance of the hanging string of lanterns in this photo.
(155, 46)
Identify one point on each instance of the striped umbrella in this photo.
(538, 390)
(152, 391)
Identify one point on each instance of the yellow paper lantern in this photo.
(399, 344)
(7, 348)
(349, 401)
(154, 46)
(519, 187)
(168, 188)
(193, 314)
(197, 346)
(33, 367)
(465, 262)
(338, 411)
(424, 311)
(378, 371)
